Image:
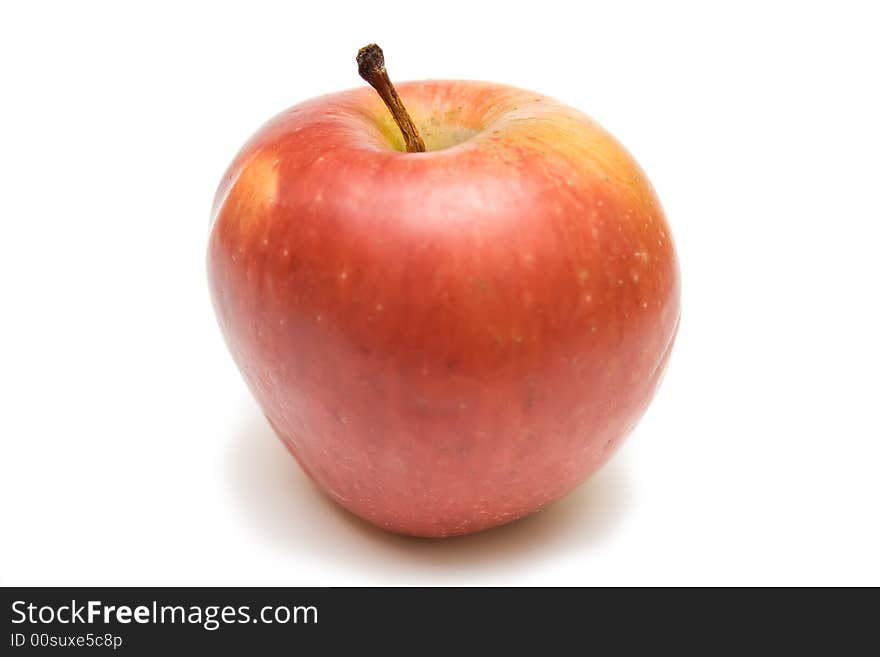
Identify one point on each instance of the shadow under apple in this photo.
(279, 501)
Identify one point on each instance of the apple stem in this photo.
(371, 66)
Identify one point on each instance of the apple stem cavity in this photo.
(371, 67)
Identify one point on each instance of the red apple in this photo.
(447, 340)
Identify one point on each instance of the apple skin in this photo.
(446, 341)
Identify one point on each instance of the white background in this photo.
(132, 452)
